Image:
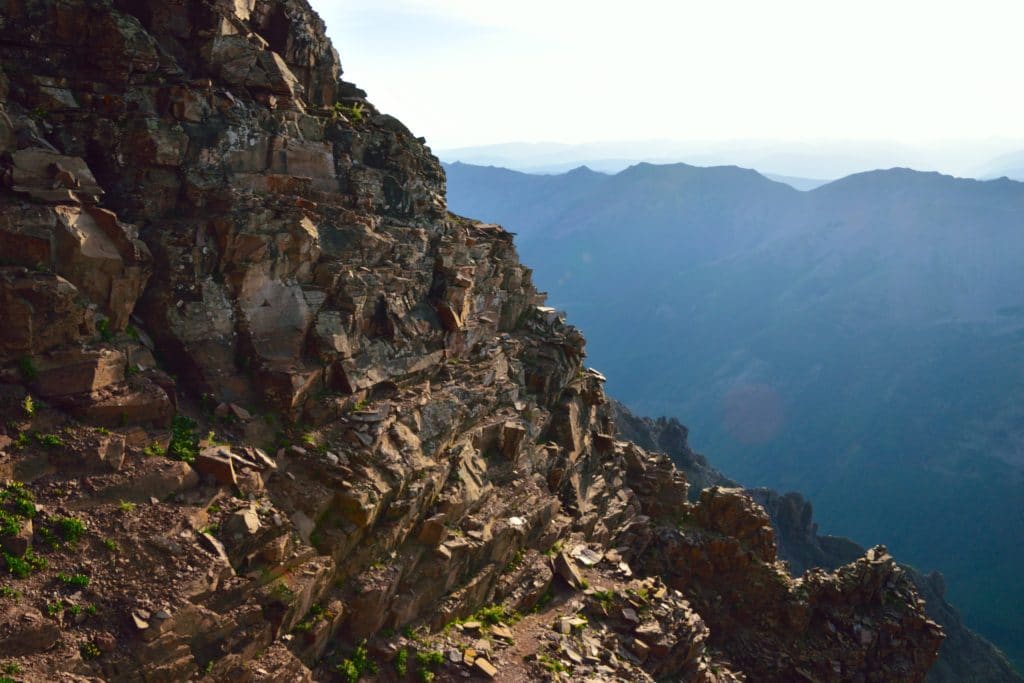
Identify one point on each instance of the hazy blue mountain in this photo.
(862, 342)
(1008, 165)
(793, 158)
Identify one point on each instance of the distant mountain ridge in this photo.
(860, 342)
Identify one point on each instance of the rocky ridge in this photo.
(271, 413)
(964, 654)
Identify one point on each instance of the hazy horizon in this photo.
(820, 160)
(466, 74)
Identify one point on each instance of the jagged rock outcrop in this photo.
(964, 655)
(264, 399)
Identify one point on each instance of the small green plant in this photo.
(352, 113)
(71, 529)
(89, 651)
(125, 506)
(74, 610)
(426, 662)
(282, 591)
(9, 524)
(53, 609)
(22, 566)
(208, 669)
(184, 443)
(132, 332)
(353, 668)
(92, 610)
(543, 600)
(111, 545)
(103, 327)
(28, 406)
(315, 614)
(50, 440)
(516, 562)
(76, 580)
(28, 369)
(555, 666)
(554, 549)
(402, 663)
(153, 450)
(604, 598)
(496, 614)
(11, 668)
(8, 592)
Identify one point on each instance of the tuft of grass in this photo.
(402, 663)
(8, 592)
(76, 580)
(50, 440)
(315, 614)
(22, 566)
(153, 450)
(125, 506)
(28, 406)
(111, 545)
(604, 598)
(555, 666)
(354, 667)
(71, 529)
(426, 662)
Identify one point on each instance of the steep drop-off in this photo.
(859, 343)
(964, 655)
(270, 413)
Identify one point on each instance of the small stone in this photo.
(500, 631)
(486, 668)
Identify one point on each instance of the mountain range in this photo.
(800, 159)
(860, 342)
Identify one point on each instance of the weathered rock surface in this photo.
(412, 433)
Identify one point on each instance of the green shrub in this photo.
(71, 529)
(184, 443)
(402, 663)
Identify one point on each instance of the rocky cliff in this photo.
(271, 413)
(964, 655)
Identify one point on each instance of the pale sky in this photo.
(475, 72)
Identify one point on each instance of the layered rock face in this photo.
(206, 232)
